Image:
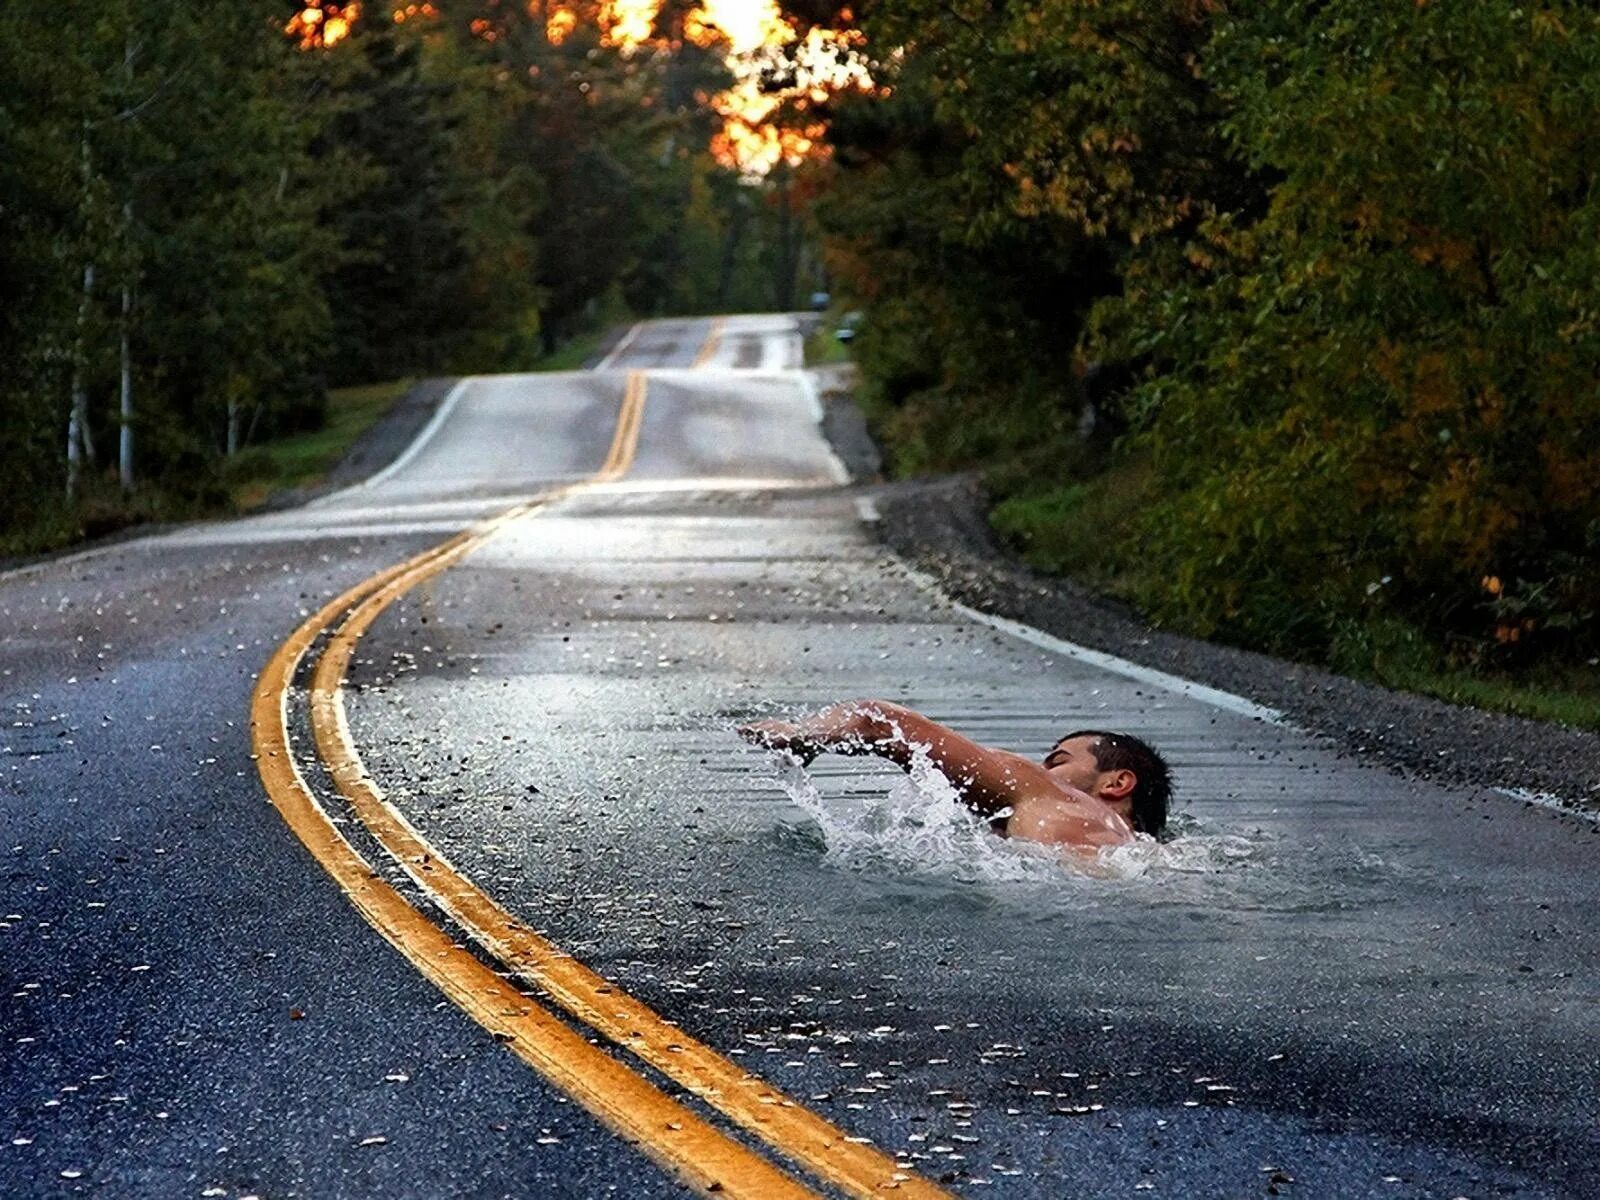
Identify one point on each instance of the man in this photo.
(1093, 789)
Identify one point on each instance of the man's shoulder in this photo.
(1065, 814)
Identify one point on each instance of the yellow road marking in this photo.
(664, 1129)
(713, 340)
(855, 1167)
(625, 440)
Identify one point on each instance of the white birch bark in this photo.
(125, 391)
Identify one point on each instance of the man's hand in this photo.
(781, 735)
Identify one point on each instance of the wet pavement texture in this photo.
(189, 1006)
(186, 1002)
(1368, 985)
(1334, 982)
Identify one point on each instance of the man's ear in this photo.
(1118, 784)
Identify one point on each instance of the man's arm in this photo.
(987, 780)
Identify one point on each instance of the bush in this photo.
(1388, 378)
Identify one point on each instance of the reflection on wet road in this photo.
(1333, 975)
(1334, 982)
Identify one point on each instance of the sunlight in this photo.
(324, 25)
(761, 125)
(628, 22)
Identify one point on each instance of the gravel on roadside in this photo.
(939, 525)
(379, 445)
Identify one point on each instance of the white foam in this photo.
(918, 827)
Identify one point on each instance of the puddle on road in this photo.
(917, 836)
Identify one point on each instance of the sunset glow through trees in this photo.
(762, 124)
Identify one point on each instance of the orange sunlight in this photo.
(414, 12)
(324, 25)
(751, 140)
(558, 26)
(628, 22)
(755, 32)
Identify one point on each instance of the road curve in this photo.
(1337, 982)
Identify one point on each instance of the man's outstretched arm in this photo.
(988, 780)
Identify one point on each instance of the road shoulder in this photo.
(374, 449)
(939, 525)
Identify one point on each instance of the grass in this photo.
(1090, 531)
(302, 460)
(572, 355)
(823, 347)
(101, 509)
(1087, 530)
(1567, 695)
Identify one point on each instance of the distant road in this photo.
(510, 910)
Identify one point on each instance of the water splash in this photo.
(916, 834)
(919, 826)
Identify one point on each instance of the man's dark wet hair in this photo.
(1124, 752)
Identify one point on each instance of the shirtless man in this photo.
(1093, 789)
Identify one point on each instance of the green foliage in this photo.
(971, 318)
(573, 355)
(136, 212)
(1376, 399)
(1092, 529)
(437, 248)
(1338, 259)
(246, 220)
(823, 347)
(303, 459)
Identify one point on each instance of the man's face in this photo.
(1072, 762)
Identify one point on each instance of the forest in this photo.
(211, 213)
(1280, 320)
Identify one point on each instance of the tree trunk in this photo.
(125, 391)
(80, 445)
(787, 255)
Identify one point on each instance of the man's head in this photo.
(1119, 769)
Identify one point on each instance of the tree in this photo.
(437, 258)
(1380, 399)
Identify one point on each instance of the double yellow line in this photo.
(625, 440)
(662, 1126)
(712, 343)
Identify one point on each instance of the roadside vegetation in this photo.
(823, 345)
(304, 459)
(1280, 320)
(227, 209)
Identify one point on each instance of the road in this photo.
(1334, 982)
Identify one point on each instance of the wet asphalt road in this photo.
(1348, 985)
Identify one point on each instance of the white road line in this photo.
(195, 533)
(66, 560)
(867, 510)
(417, 443)
(605, 363)
(808, 388)
(1215, 697)
(228, 535)
(1551, 801)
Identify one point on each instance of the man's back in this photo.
(1069, 800)
(1055, 812)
